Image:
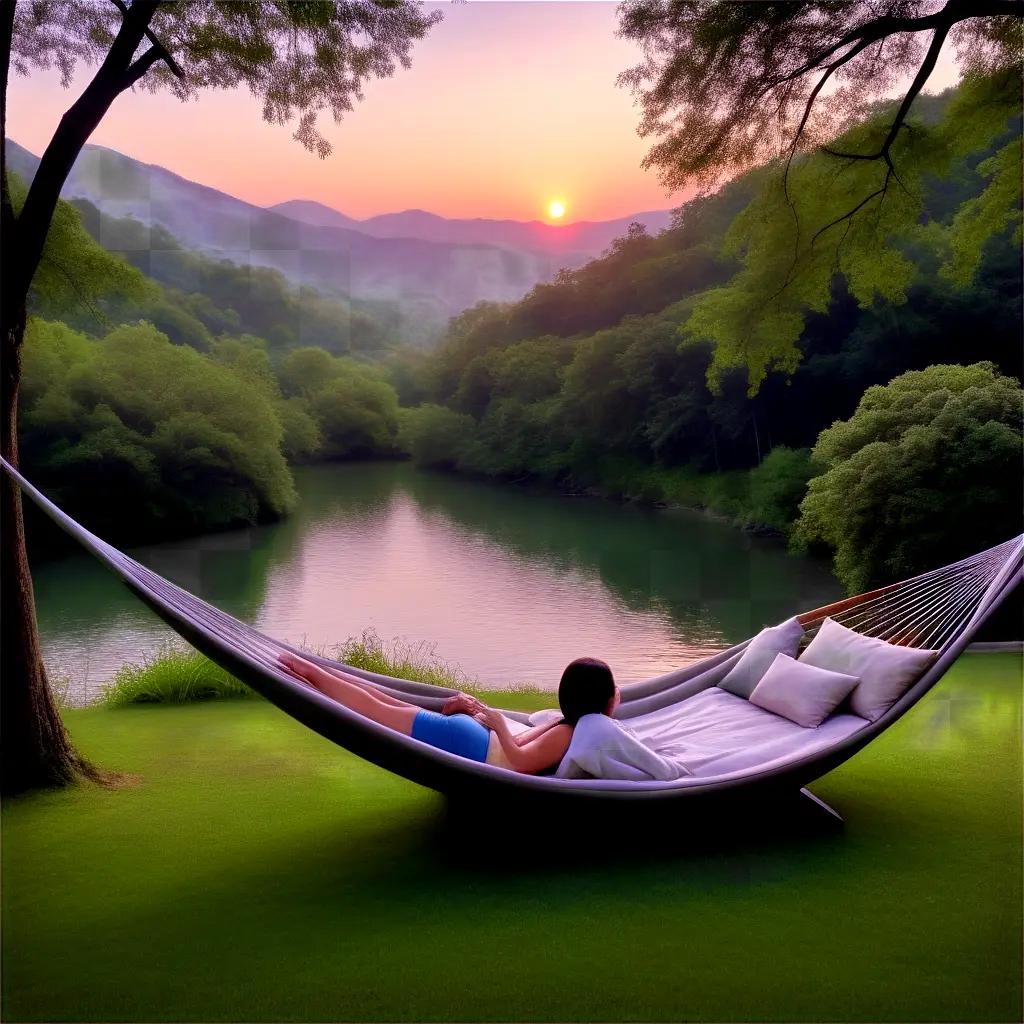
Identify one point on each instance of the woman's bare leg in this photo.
(384, 698)
(397, 715)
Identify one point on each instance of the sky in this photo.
(507, 106)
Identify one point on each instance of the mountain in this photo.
(589, 238)
(430, 279)
(310, 212)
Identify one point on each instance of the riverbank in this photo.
(756, 502)
(257, 872)
(177, 674)
(509, 584)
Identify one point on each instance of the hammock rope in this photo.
(939, 610)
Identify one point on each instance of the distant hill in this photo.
(310, 212)
(429, 278)
(589, 238)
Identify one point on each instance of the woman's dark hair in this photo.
(586, 687)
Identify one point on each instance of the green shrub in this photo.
(435, 437)
(175, 675)
(179, 675)
(777, 487)
(927, 470)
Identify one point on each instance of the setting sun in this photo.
(556, 209)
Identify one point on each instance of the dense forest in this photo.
(184, 386)
(180, 388)
(600, 382)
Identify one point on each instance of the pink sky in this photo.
(507, 105)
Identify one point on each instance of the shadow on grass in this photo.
(520, 837)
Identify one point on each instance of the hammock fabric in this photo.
(940, 610)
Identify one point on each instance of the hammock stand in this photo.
(941, 610)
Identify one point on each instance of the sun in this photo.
(556, 209)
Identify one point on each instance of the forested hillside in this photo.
(166, 393)
(425, 268)
(202, 298)
(598, 381)
(601, 380)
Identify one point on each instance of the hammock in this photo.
(940, 610)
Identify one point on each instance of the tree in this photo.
(434, 436)
(925, 471)
(725, 86)
(176, 441)
(788, 270)
(298, 58)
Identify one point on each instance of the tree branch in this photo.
(849, 215)
(142, 65)
(869, 32)
(75, 127)
(161, 51)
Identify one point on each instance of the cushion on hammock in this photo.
(886, 670)
(602, 748)
(802, 693)
(760, 653)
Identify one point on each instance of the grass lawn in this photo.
(258, 873)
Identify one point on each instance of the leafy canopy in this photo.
(175, 441)
(725, 86)
(298, 57)
(853, 218)
(337, 407)
(75, 271)
(926, 470)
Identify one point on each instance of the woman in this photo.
(469, 727)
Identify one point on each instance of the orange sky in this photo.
(507, 105)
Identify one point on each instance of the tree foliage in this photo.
(297, 59)
(788, 268)
(351, 405)
(725, 86)
(927, 469)
(800, 87)
(75, 271)
(175, 442)
(434, 436)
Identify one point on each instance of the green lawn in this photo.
(258, 873)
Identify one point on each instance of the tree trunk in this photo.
(35, 749)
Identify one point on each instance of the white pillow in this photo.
(886, 671)
(760, 653)
(802, 693)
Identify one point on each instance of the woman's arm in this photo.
(542, 750)
(528, 735)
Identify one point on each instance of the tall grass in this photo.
(400, 658)
(173, 675)
(179, 675)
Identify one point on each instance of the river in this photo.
(507, 583)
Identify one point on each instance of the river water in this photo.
(509, 584)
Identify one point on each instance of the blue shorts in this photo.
(458, 734)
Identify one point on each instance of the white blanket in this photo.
(606, 749)
(712, 735)
(718, 734)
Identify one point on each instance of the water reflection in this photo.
(508, 583)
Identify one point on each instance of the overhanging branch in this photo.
(161, 52)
